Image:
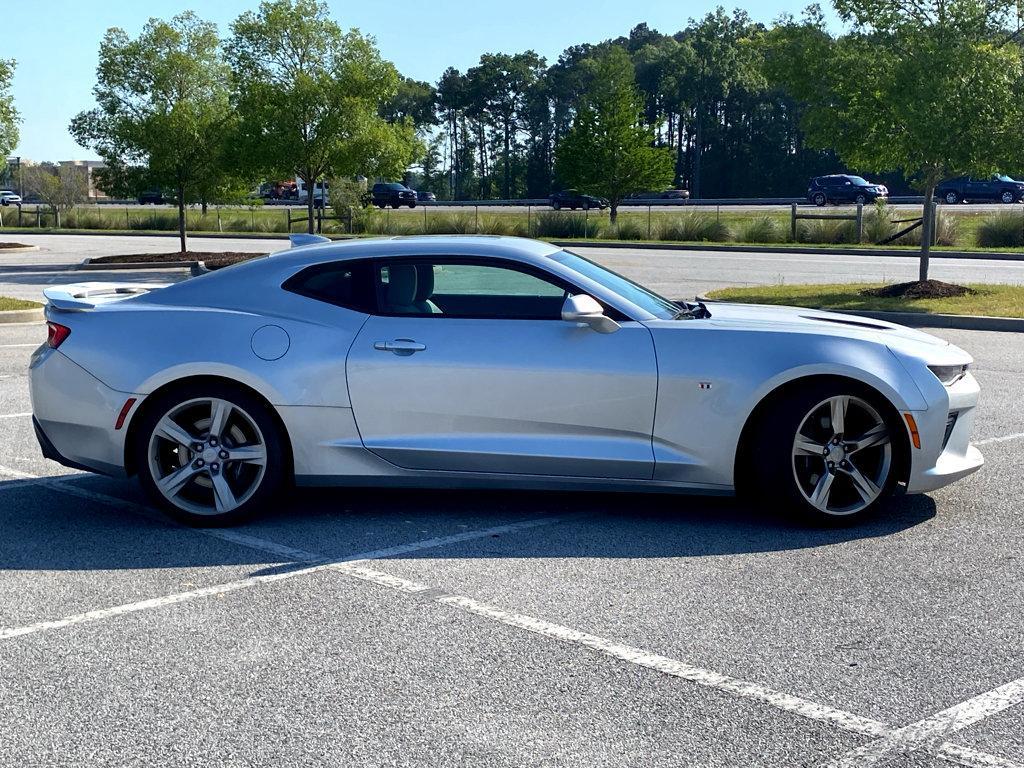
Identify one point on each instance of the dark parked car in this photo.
(575, 199)
(392, 194)
(424, 196)
(663, 195)
(844, 188)
(973, 188)
(153, 197)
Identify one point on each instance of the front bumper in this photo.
(946, 454)
(74, 414)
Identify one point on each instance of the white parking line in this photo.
(16, 416)
(1000, 439)
(934, 729)
(20, 344)
(349, 564)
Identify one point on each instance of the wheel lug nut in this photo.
(214, 467)
(199, 463)
(213, 441)
(223, 454)
(197, 447)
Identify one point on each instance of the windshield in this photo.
(1004, 178)
(859, 181)
(656, 305)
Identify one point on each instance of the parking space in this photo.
(511, 628)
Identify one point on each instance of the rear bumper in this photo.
(74, 415)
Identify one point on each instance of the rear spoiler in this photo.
(85, 296)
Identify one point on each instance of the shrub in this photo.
(502, 224)
(826, 231)
(628, 229)
(694, 227)
(558, 224)
(451, 224)
(1002, 230)
(761, 229)
(878, 224)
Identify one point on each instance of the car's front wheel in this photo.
(861, 199)
(556, 206)
(819, 199)
(209, 454)
(952, 198)
(1008, 197)
(826, 454)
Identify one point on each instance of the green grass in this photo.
(989, 299)
(7, 303)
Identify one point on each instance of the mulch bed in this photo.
(920, 289)
(13, 245)
(212, 259)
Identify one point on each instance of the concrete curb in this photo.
(18, 250)
(923, 319)
(88, 264)
(822, 251)
(21, 316)
(196, 267)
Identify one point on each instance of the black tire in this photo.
(1008, 197)
(819, 199)
(395, 205)
(861, 199)
(951, 197)
(556, 206)
(772, 470)
(274, 474)
(412, 205)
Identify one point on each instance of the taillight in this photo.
(56, 334)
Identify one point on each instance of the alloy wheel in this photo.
(842, 455)
(207, 456)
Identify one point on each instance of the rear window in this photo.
(346, 284)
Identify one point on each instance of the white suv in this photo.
(8, 198)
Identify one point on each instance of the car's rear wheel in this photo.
(819, 199)
(209, 454)
(826, 454)
(952, 198)
(1008, 197)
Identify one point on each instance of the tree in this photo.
(163, 109)
(8, 114)
(309, 97)
(60, 187)
(943, 93)
(608, 151)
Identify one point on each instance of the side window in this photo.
(457, 289)
(346, 284)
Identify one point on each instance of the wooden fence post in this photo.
(792, 222)
(860, 223)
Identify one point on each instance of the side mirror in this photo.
(585, 309)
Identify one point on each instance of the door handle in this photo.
(400, 346)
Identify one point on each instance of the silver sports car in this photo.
(486, 362)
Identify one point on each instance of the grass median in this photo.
(8, 303)
(985, 299)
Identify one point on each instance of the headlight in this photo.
(949, 374)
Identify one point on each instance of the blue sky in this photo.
(55, 42)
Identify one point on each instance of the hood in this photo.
(804, 320)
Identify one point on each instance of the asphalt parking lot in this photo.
(385, 627)
(410, 628)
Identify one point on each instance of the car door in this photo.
(979, 189)
(468, 367)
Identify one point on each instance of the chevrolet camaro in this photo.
(486, 362)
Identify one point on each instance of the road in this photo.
(678, 274)
(507, 629)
